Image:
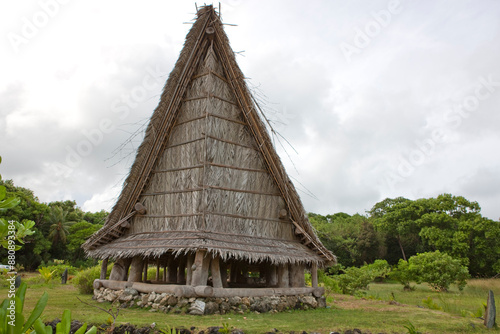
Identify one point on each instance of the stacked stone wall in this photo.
(169, 303)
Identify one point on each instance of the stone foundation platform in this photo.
(170, 303)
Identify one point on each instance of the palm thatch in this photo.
(207, 175)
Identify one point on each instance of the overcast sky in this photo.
(379, 98)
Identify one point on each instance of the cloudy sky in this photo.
(378, 98)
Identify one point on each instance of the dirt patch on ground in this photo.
(353, 303)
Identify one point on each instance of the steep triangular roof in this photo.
(207, 175)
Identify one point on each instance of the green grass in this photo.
(344, 312)
(466, 303)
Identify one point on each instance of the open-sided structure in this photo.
(207, 199)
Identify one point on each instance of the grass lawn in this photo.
(464, 303)
(375, 313)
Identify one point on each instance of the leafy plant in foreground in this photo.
(11, 312)
(62, 327)
(411, 328)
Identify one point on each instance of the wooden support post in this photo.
(223, 274)
(172, 270)
(119, 271)
(297, 279)
(283, 279)
(164, 265)
(200, 268)
(181, 271)
(157, 277)
(145, 273)
(189, 269)
(104, 269)
(136, 268)
(273, 276)
(314, 275)
(216, 276)
(126, 263)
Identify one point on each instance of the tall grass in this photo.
(466, 303)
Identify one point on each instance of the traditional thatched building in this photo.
(207, 195)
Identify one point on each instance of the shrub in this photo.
(378, 269)
(84, 280)
(354, 279)
(439, 270)
(330, 284)
(403, 275)
(46, 273)
(58, 270)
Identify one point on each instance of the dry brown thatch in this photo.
(207, 171)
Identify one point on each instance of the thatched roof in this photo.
(207, 172)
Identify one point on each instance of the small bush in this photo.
(46, 274)
(379, 269)
(58, 270)
(329, 283)
(439, 270)
(84, 280)
(403, 275)
(354, 279)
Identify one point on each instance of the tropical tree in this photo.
(59, 227)
(397, 217)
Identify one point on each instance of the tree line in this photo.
(60, 228)
(400, 228)
(393, 229)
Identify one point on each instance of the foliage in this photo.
(11, 311)
(403, 275)
(59, 269)
(14, 231)
(62, 327)
(84, 279)
(354, 279)
(96, 218)
(38, 247)
(379, 269)
(351, 238)
(11, 230)
(396, 217)
(411, 328)
(46, 273)
(431, 304)
(78, 233)
(439, 270)
(331, 285)
(450, 224)
(59, 226)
